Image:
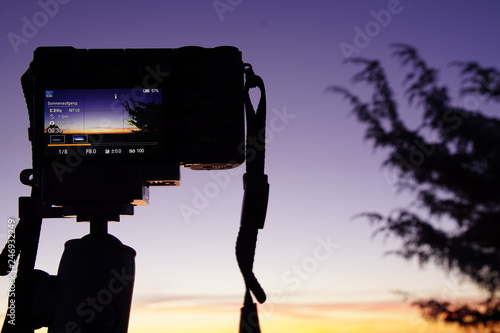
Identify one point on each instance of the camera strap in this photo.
(255, 200)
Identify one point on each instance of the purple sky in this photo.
(321, 171)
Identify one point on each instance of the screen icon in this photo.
(57, 139)
(80, 138)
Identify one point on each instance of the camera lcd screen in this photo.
(103, 122)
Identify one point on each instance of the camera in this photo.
(105, 120)
(105, 125)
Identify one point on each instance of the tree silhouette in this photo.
(145, 116)
(451, 163)
(53, 128)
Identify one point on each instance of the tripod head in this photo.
(92, 290)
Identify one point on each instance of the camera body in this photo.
(103, 117)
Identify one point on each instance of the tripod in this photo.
(92, 290)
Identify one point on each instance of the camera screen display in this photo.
(103, 121)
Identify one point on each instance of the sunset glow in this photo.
(289, 318)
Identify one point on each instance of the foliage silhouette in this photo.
(451, 162)
(145, 116)
(55, 129)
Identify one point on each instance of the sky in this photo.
(321, 268)
(92, 110)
